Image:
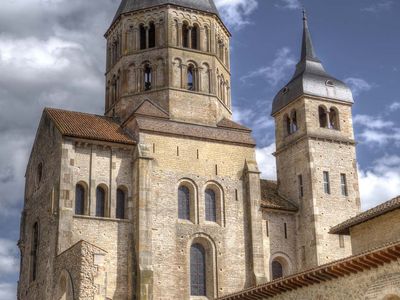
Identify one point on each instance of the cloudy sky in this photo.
(52, 54)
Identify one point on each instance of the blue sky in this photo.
(54, 56)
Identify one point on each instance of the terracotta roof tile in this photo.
(271, 199)
(88, 126)
(344, 228)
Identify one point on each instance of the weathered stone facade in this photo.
(105, 215)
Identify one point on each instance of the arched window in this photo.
(34, 251)
(120, 209)
(185, 35)
(184, 203)
(142, 33)
(147, 77)
(194, 36)
(79, 200)
(152, 35)
(323, 119)
(100, 202)
(198, 270)
(333, 119)
(293, 117)
(277, 270)
(211, 206)
(191, 78)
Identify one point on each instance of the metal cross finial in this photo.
(304, 14)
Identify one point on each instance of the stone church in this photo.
(161, 197)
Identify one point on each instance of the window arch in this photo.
(34, 251)
(80, 199)
(334, 119)
(184, 203)
(176, 33)
(287, 124)
(152, 35)
(120, 207)
(195, 37)
(198, 274)
(185, 35)
(100, 202)
(277, 270)
(323, 117)
(148, 77)
(142, 34)
(191, 78)
(211, 205)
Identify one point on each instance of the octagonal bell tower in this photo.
(173, 53)
(316, 157)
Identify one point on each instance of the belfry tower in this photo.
(177, 58)
(316, 157)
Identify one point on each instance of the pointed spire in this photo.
(307, 49)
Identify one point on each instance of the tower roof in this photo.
(310, 78)
(133, 5)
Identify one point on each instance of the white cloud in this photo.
(376, 131)
(8, 291)
(371, 122)
(235, 12)
(381, 182)
(278, 69)
(379, 6)
(266, 162)
(394, 106)
(8, 259)
(358, 85)
(289, 4)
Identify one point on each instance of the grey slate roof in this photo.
(270, 198)
(310, 78)
(133, 5)
(384, 208)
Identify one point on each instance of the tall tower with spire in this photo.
(316, 157)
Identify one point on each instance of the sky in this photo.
(52, 54)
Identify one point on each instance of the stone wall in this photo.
(198, 164)
(40, 206)
(277, 246)
(376, 232)
(108, 166)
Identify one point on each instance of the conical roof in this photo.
(310, 78)
(133, 5)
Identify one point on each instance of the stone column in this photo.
(147, 28)
(253, 194)
(179, 35)
(143, 199)
(189, 37)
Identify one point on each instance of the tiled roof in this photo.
(233, 125)
(210, 133)
(344, 228)
(88, 126)
(271, 199)
(351, 265)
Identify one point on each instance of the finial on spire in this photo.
(307, 51)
